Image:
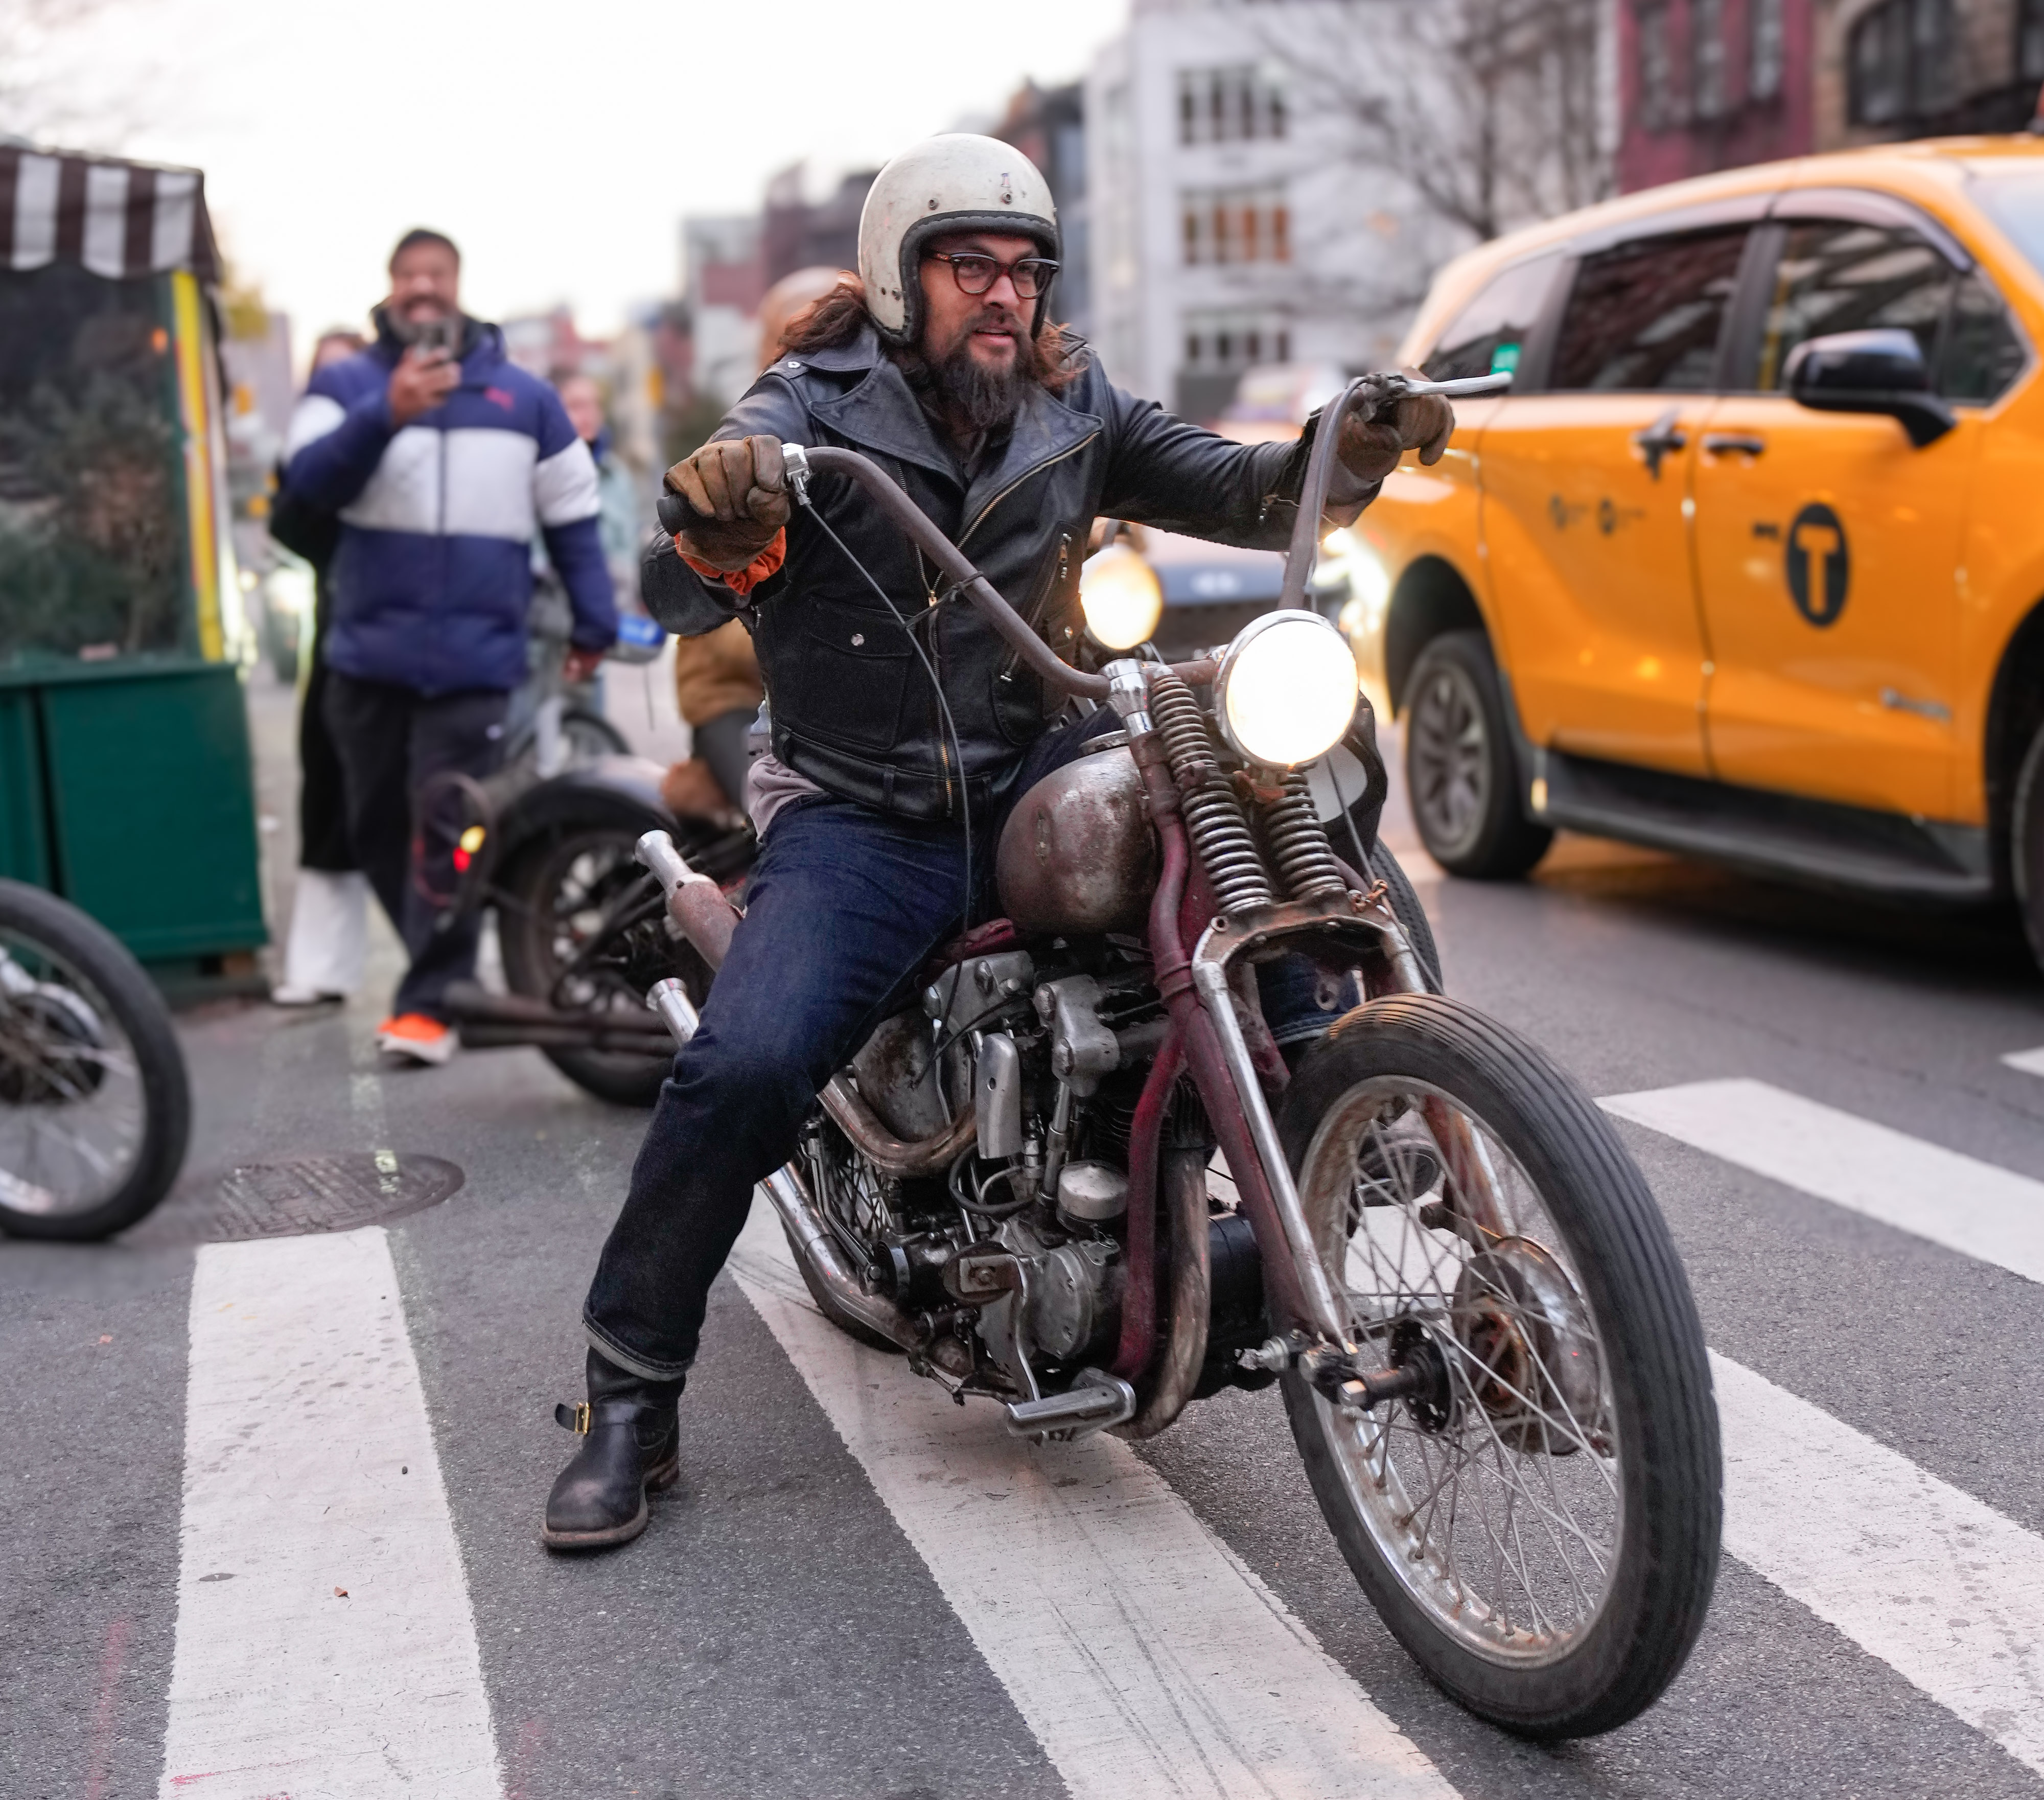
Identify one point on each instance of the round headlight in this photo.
(1286, 689)
(1120, 597)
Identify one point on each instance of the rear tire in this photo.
(1614, 1460)
(554, 891)
(1462, 777)
(1405, 904)
(96, 967)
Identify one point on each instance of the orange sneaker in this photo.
(416, 1038)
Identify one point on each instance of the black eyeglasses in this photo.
(976, 274)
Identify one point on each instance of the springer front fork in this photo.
(1198, 818)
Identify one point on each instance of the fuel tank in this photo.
(1078, 853)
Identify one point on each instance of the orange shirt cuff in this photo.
(741, 582)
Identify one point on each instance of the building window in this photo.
(1235, 225)
(1707, 57)
(2030, 40)
(1903, 61)
(1657, 68)
(1768, 50)
(1224, 340)
(1229, 105)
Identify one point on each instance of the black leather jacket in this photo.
(852, 709)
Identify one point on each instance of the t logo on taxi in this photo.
(1818, 565)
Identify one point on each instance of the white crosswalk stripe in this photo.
(1940, 1586)
(325, 1647)
(2029, 1062)
(1955, 1200)
(1149, 1661)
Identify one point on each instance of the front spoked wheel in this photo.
(1538, 1522)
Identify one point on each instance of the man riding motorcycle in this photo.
(889, 742)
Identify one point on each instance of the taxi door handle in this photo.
(1659, 440)
(1733, 443)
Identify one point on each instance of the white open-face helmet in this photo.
(957, 182)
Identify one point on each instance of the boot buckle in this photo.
(576, 1418)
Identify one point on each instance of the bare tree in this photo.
(1487, 111)
(46, 87)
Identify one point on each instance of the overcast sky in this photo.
(558, 144)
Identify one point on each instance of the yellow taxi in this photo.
(1749, 563)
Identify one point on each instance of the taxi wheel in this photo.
(1459, 772)
(2026, 847)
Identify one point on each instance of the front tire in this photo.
(1540, 1526)
(2026, 845)
(95, 1107)
(1461, 775)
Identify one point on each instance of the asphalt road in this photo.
(799, 1621)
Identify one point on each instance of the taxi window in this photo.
(1982, 355)
(1835, 274)
(1487, 334)
(1646, 316)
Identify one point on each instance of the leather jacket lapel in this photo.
(1045, 432)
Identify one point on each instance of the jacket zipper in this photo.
(1028, 473)
(1034, 617)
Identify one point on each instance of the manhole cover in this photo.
(316, 1193)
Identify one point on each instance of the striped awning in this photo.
(116, 219)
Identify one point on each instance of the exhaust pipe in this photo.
(695, 903)
(494, 1021)
(814, 1246)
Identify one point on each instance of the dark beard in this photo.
(978, 399)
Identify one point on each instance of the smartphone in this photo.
(437, 334)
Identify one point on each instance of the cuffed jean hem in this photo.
(607, 1347)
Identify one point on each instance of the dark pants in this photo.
(323, 842)
(845, 906)
(391, 742)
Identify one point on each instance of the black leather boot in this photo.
(631, 1447)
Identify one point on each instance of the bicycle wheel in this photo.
(1538, 1522)
(95, 1108)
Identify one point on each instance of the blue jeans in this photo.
(845, 906)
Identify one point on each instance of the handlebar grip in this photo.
(676, 515)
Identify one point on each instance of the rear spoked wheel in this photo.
(1538, 1522)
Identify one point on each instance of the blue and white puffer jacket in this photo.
(431, 580)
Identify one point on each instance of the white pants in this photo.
(329, 940)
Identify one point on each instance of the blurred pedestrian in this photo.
(327, 942)
(440, 456)
(717, 688)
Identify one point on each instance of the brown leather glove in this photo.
(1423, 422)
(744, 483)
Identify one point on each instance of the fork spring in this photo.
(1298, 843)
(1214, 817)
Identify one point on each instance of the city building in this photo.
(1047, 124)
(1708, 84)
(723, 274)
(1229, 223)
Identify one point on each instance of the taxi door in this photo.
(1827, 548)
(1586, 502)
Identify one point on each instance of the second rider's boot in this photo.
(631, 1447)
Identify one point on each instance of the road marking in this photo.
(2029, 1062)
(1938, 1584)
(1958, 1201)
(311, 1472)
(1151, 1663)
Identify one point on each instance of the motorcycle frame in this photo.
(1194, 949)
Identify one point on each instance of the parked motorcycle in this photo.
(582, 928)
(1076, 1176)
(95, 1109)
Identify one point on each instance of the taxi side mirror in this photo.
(1869, 371)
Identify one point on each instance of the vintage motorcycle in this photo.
(1077, 1175)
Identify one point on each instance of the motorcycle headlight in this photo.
(1119, 595)
(1286, 689)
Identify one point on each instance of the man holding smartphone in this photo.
(441, 458)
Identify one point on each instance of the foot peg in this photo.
(1097, 1401)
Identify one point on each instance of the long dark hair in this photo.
(835, 321)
